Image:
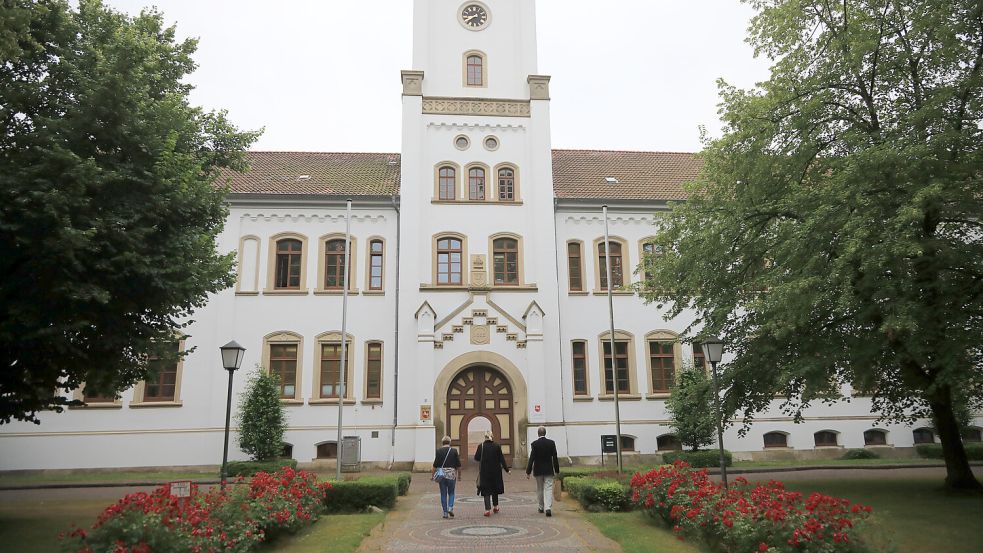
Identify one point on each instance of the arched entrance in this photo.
(480, 398)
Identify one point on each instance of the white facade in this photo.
(432, 332)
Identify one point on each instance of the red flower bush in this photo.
(750, 517)
(235, 521)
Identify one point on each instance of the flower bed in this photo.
(750, 516)
(234, 521)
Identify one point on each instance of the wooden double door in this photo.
(480, 399)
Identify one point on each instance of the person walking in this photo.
(448, 462)
(490, 482)
(544, 465)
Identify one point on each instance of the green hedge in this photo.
(403, 480)
(698, 459)
(854, 454)
(599, 495)
(355, 496)
(934, 451)
(249, 468)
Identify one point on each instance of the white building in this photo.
(477, 295)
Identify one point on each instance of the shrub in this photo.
(750, 516)
(974, 452)
(235, 521)
(691, 409)
(577, 473)
(262, 419)
(698, 459)
(854, 454)
(250, 468)
(355, 496)
(597, 494)
(403, 480)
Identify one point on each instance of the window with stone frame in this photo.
(283, 364)
(447, 183)
(335, 263)
(476, 70)
(330, 382)
(163, 385)
(450, 261)
(289, 264)
(617, 270)
(476, 184)
(373, 370)
(580, 368)
(699, 360)
(668, 442)
(506, 184)
(506, 261)
(826, 438)
(776, 439)
(923, 436)
(575, 266)
(377, 253)
(620, 362)
(875, 437)
(662, 361)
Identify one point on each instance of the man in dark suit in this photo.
(544, 465)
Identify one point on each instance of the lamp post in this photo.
(713, 350)
(231, 359)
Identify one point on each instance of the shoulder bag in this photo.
(439, 474)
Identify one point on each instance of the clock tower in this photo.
(478, 248)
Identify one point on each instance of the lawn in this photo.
(836, 462)
(334, 534)
(84, 477)
(913, 514)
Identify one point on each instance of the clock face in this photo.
(474, 16)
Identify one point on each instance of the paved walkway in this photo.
(416, 524)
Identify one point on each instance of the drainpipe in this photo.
(392, 446)
(563, 386)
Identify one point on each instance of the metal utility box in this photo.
(351, 453)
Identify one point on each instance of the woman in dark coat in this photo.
(490, 483)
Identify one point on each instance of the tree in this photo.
(835, 235)
(262, 419)
(691, 409)
(109, 205)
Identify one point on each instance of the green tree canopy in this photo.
(835, 235)
(109, 207)
(691, 409)
(262, 419)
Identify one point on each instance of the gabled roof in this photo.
(577, 174)
(640, 175)
(321, 173)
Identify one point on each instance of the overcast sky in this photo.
(323, 75)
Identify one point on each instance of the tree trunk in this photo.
(958, 474)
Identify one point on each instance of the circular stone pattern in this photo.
(485, 531)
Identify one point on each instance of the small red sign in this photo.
(538, 408)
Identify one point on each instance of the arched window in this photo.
(334, 265)
(449, 261)
(327, 450)
(776, 439)
(575, 266)
(923, 436)
(506, 185)
(649, 250)
(373, 370)
(875, 437)
(329, 381)
(476, 184)
(826, 438)
(662, 362)
(447, 183)
(627, 443)
(377, 253)
(283, 357)
(289, 262)
(668, 442)
(288, 451)
(475, 70)
(621, 367)
(617, 275)
(506, 261)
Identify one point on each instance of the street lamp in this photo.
(231, 359)
(713, 350)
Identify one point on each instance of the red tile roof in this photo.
(641, 175)
(577, 174)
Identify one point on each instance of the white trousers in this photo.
(544, 492)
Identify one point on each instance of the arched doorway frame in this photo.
(511, 373)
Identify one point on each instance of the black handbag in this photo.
(477, 478)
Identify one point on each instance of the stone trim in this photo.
(470, 106)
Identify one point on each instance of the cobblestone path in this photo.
(417, 524)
